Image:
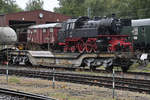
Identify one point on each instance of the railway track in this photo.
(137, 85)
(136, 75)
(6, 94)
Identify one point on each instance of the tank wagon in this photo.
(7, 35)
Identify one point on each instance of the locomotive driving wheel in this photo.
(81, 46)
(91, 46)
(65, 48)
(73, 49)
(88, 48)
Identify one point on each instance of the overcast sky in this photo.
(48, 4)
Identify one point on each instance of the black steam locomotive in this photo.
(92, 35)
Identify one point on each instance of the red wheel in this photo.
(95, 47)
(91, 45)
(88, 47)
(81, 46)
(73, 49)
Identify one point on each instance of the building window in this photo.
(28, 31)
(143, 30)
(35, 31)
(68, 26)
(135, 31)
(73, 26)
(51, 29)
(135, 37)
(44, 30)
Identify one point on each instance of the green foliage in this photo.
(34, 5)
(71, 7)
(96, 6)
(122, 8)
(134, 66)
(8, 6)
(14, 80)
(148, 65)
(141, 8)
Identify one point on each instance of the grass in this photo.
(148, 65)
(139, 68)
(134, 67)
(14, 79)
(65, 91)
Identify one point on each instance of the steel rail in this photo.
(83, 69)
(24, 94)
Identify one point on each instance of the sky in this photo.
(48, 4)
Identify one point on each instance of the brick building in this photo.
(21, 20)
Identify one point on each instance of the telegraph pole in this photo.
(89, 12)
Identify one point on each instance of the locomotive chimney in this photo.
(113, 15)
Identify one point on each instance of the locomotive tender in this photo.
(7, 35)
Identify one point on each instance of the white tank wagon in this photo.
(7, 35)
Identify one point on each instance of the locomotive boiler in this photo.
(92, 35)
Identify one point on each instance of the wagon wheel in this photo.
(92, 68)
(81, 46)
(65, 48)
(73, 49)
(109, 68)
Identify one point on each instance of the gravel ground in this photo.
(68, 91)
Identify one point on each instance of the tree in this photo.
(97, 7)
(34, 5)
(9, 6)
(71, 7)
(140, 8)
(122, 8)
